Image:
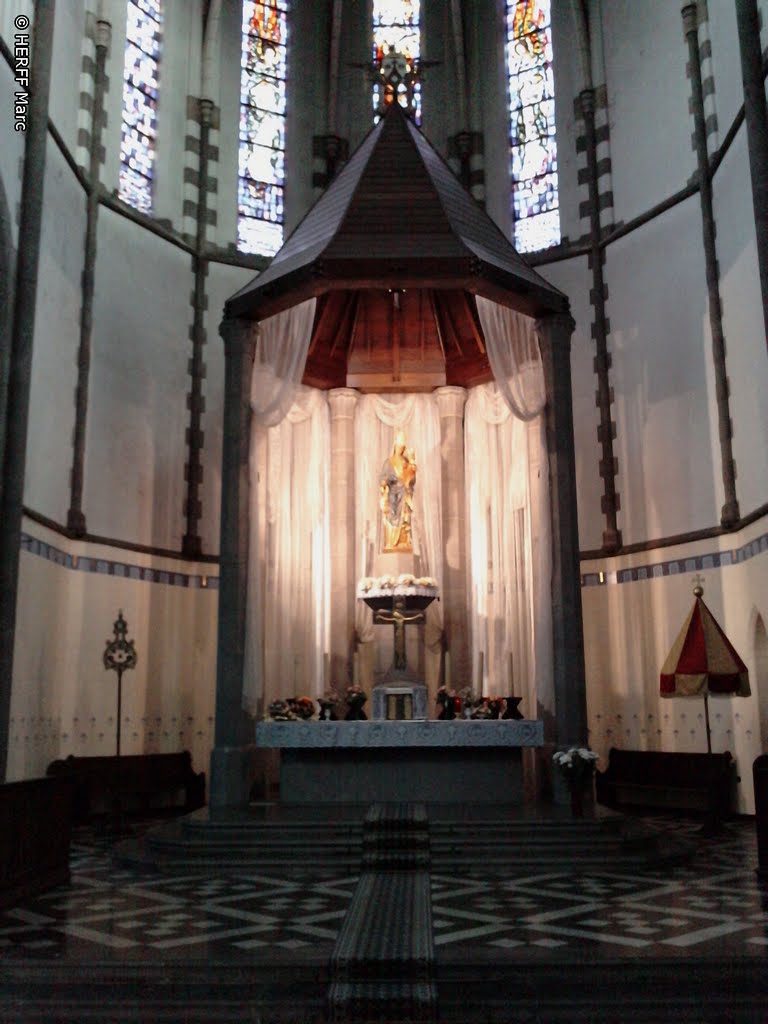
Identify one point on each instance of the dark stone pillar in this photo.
(757, 133)
(567, 628)
(7, 271)
(75, 515)
(20, 362)
(608, 462)
(191, 543)
(729, 515)
(231, 756)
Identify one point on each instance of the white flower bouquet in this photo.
(575, 762)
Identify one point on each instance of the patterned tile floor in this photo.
(705, 908)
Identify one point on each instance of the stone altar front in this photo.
(434, 762)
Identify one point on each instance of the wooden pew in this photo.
(660, 779)
(35, 831)
(133, 783)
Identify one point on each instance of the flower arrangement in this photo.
(575, 762)
(328, 703)
(302, 707)
(405, 579)
(356, 697)
(280, 711)
(449, 702)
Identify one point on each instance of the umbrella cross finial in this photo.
(698, 589)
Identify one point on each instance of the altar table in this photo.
(436, 762)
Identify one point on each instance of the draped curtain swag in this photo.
(508, 515)
(287, 628)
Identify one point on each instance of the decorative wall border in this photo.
(202, 581)
(678, 566)
(122, 570)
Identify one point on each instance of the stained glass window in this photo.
(533, 147)
(262, 127)
(140, 73)
(396, 28)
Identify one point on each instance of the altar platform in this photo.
(431, 761)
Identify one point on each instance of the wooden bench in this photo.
(35, 829)
(660, 779)
(132, 783)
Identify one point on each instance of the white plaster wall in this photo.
(743, 325)
(64, 701)
(137, 416)
(568, 84)
(659, 314)
(489, 107)
(574, 278)
(69, 30)
(222, 282)
(629, 629)
(56, 340)
(11, 150)
(114, 11)
(648, 96)
(726, 63)
(179, 77)
(9, 11)
(225, 232)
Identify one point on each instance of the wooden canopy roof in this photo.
(395, 250)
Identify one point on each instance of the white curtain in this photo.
(281, 355)
(508, 515)
(287, 632)
(377, 419)
(513, 352)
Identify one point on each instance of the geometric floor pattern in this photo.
(711, 905)
(706, 907)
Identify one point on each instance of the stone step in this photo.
(381, 1001)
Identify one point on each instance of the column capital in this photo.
(690, 15)
(342, 403)
(450, 401)
(556, 327)
(239, 335)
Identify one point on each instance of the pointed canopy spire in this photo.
(396, 215)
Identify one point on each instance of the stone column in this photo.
(19, 364)
(567, 630)
(342, 402)
(729, 515)
(607, 428)
(747, 19)
(454, 596)
(75, 516)
(232, 754)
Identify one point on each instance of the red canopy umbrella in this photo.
(702, 661)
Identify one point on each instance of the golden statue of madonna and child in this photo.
(396, 486)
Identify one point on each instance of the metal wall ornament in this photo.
(120, 656)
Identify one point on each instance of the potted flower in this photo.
(280, 711)
(447, 700)
(328, 703)
(576, 765)
(356, 698)
(303, 707)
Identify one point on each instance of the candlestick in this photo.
(511, 674)
(480, 660)
(326, 670)
(355, 669)
(447, 670)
